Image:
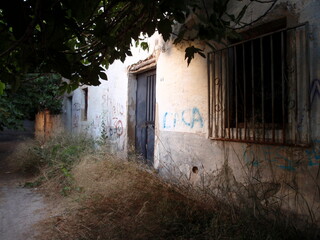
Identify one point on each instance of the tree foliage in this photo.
(37, 92)
(79, 38)
(76, 38)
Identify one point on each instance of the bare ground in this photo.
(20, 208)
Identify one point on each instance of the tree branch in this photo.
(262, 16)
(27, 33)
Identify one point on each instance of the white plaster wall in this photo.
(182, 141)
(181, 92)
(108, 102)
(182, 128)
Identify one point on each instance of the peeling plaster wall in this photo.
(108, 112)
(183, 151)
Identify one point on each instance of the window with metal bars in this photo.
(258, 89)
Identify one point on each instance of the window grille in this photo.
(151, 98)
(258, 89)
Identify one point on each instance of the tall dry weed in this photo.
(118, 199)
(125, 200)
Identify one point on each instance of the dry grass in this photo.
(24, 158)
(121, 200)
(111, 198)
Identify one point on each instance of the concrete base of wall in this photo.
(249, 175)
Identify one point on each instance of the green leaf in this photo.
(2, 87)
(144, 45)
(38, 27)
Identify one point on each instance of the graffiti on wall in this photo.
(112, 107)
(275, 155)
(96, 122)
(112, 127)
(286, 158)
(113, 115)
(116, 129)
(190, 117)
(313, 154)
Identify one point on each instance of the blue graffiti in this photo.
(171, 120)
(281, 156)
(196, 117)
(174, 123)
(313, 154)
(165, 120)
(249, 158)
(272, 154)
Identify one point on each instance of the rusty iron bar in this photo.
(214, 97)
(262, 91)
(252, 91)
(296, 85)
(272, 87)
(283, 89)
(209, 94)
(220, 96)
(265, 35)
(308, 78)
(300, 145)
(236, 88)
(228, 92)
(244, 92)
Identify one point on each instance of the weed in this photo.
(118, 199)
(52, 160)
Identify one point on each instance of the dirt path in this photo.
(20, 208)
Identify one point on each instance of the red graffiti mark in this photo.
(119, 127)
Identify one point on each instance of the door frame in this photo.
(146, 65)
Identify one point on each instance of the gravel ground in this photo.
(20, 208)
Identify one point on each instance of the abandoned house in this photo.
(245, 117)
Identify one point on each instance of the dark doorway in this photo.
(145, 114)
